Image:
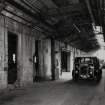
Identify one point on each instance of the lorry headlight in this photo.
(91, 67)
(91, 72)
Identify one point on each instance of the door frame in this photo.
(16, 36)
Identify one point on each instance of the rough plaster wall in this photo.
(71, 56)
(57, 65)
(26, 44)
(45, 56)
(71, 61)
(41, 59)
(68, 61)
(57, 59)
(16, 28)
(3, 64)
(25, 51)
(40, 37)
(45, 59)
(44, 48)
(58, 48)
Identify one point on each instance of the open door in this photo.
(65, 73)
(36, 62)
(64, 61)
(12, 58)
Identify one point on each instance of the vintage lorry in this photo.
(86, 68)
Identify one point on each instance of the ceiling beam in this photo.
(103, 18)
(2, 5)
(44, 5)
(38, 17)
(32, 8)
(90, 10)
(71, 9)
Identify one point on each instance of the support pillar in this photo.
(53, 59)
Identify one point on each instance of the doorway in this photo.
(65, 65)
(36, 72)
(64, 61)
(12, 58)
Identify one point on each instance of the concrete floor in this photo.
(65, 76)
(61, 92)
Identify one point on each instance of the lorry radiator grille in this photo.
(84, 70)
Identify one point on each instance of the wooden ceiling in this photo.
(69, 21)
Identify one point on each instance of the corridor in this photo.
(58, 92)
(40, 41)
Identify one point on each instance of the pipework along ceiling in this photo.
(70, 21)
